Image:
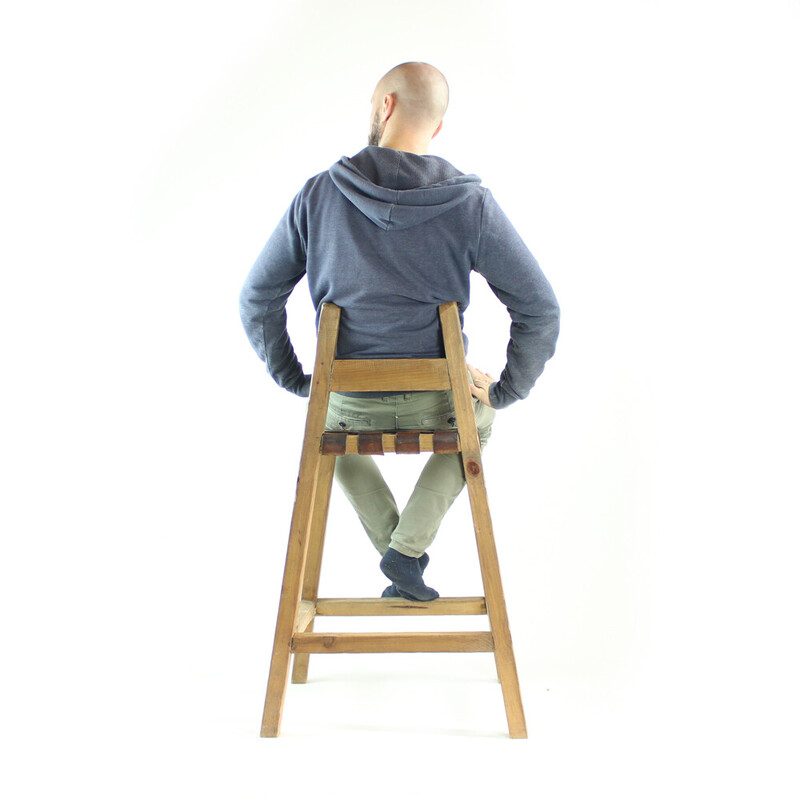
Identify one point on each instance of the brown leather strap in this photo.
(406, 442)
(334, 444)
(445, 441)
(370, 444)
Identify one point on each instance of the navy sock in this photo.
(406, 575)
(393, 591)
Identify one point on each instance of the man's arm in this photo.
(514, 276)
(262, 301)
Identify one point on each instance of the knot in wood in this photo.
(473, 468)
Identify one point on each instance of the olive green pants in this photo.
(440, 482)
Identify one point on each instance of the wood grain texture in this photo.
(394, 607)
(390, 375)
(449, 642)
(305, 616)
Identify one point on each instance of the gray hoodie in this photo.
(388, 236)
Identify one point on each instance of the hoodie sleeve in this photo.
(262, 301)
(514, 276)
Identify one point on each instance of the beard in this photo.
(375, 131)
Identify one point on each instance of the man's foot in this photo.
(405, 573)
(393, 591)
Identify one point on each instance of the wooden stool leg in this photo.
(290, 598)
(496, 606)
(319, 519)
(307, 481)
(484, 535)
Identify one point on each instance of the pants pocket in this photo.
(342, 417)
(341, 422)
(446, 419)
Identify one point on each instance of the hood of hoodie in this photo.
(395, 189)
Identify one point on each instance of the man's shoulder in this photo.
(316, 180)
(313, 185)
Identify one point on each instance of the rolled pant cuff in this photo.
(406, 551)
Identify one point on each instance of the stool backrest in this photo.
(391, 374)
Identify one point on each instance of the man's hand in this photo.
(482, 383)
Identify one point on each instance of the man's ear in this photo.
(438, 129)
(389, 105)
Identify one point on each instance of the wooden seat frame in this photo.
(299, 603)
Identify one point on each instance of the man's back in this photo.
(388, 235)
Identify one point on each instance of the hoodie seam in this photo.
(480, 231)
(298, 232)
(396, 169)
(396, 191)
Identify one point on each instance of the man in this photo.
(388, 235)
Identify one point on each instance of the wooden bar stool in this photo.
(299, 604)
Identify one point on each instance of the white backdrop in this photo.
(644, 496)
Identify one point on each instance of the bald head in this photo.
(411, 100)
